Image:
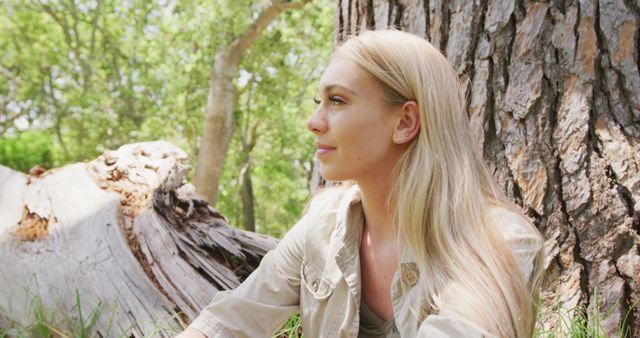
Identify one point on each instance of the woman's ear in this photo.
(408, 125)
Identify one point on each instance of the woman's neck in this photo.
(379, 223)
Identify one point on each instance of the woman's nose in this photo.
(317, 123)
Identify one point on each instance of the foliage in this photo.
(27, 149)
(275, 96)
(80, 77)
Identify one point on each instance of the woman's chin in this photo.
(336, 178)
(330, 175)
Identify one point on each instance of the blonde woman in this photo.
(419, 244)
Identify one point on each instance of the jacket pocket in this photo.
(315, 282)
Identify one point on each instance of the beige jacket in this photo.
(315, 270)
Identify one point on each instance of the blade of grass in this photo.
(79, 309)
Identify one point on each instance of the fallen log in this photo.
(124, 233)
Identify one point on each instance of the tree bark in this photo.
(249, 138)
(248, 213)
(554, 103)
(218, 127)
(125, 231)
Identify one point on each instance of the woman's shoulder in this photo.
(525, 241)
(333, 199)
(325, 217)
(513, 225)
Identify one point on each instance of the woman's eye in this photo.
(316, 100)
(336, 99)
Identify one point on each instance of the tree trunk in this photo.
(218, 127)
(125, 231)
(248, 213)
(554, 103)
(249, 138)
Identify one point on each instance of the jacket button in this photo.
(314, 285)
(424, 312)
(410, 273)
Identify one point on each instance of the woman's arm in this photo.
(264, 301)
(191, 333)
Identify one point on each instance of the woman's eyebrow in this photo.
(332, 86)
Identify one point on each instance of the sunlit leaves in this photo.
(89, 75)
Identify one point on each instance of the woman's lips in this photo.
(324, 149)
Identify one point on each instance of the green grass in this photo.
(57, 323)
(45, 323)
(581, 322)
(291, 329)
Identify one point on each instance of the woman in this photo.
(420, 243)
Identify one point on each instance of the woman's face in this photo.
(353, 125)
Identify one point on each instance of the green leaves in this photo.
(24, 151)
(275, 87)
(79, 77)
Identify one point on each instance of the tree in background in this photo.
(218, 126)
(93, 72)
(271, 151)
(554, 103)
(93, 75)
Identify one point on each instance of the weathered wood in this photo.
(554, 102)
(125, 230)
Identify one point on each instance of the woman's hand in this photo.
(191, 333)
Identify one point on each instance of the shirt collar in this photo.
(349, 218)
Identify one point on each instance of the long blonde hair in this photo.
(444, 191)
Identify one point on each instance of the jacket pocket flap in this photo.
(315, 282)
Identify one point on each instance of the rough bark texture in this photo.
(125, 230)
(554, 102)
